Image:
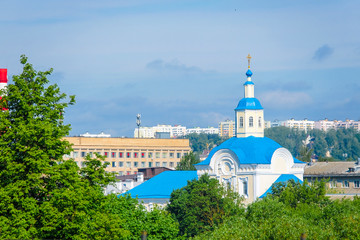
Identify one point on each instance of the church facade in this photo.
(249, 162)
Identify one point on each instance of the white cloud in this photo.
(281, 99)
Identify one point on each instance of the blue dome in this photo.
(249, 103)
(249, 150)
(249, 73)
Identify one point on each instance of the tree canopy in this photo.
(44, 197)
(341, 144)
(292, 211)
(187, 162)
(202, 205)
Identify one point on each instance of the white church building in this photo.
(249, 162)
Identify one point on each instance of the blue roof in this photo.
(249, 150)
(249, 73)
(162, 185)
(249, 83)
(249, 103)
(282, 178)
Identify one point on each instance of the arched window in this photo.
(251, 121)
(259, 121)
(241, 122)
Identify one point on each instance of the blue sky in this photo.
(184, 62)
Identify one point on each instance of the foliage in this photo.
(342, 144)
(187, 162)
(305, 154)
(42, 197)
(202, 141)
(202, 205)
(293, 192)
(274, 218)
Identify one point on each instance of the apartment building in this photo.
(209, 130)
(126, 155)
(304, 125)
(227, 128)
(150, 132)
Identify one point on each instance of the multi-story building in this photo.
(325, 124)
(126, 155)
(342, 178)
(227, 128)
(209, 130)
(304, 125)
(150, 132)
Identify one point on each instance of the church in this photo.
(249, 163)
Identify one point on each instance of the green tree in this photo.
(187, 162)
(202, 205)
(292, 193)
(42, 197)
(305, 154)
(203, 141)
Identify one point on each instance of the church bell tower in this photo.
(249, 114)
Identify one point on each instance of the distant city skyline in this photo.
(184, 62)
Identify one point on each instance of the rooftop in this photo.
(162, 185)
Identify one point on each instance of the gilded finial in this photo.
(249, 58)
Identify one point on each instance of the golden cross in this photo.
(249, 58)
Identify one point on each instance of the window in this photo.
(241, 122)
(121, 173)
(178, 155)
(332, 184)
(136, 155)
(157, 155)
(251, 121)
(136, 164)
(245, 188)
(76, 154)
(157, 164)
(171, 164)
(83, 154)
(164, 155)
(171, 155)
(106, 154)
(113, 164)
(121, 164)
(345, 184)
(113, 155)
(150, 155)
(128, 173)
(121, 155)
(150, 164)
(128, 155)
(142, 155)
(164, 164)
(128, 164)
(259, 121)
(356, 184)
(142, 164)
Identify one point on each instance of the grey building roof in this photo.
(329, 169)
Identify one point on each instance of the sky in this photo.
(184, 62)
